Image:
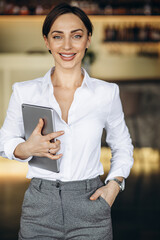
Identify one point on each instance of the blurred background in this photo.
(125, 49)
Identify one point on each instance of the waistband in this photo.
(71, 185)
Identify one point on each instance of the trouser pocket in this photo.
(105, 204)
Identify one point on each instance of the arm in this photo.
(119, 140)
(12, 131)
(38, 145)
(12, 143)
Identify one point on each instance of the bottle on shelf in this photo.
(24, 10)
(132, 33)
(39, 10)
(2, 6)
(16, 10)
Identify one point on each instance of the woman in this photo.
(74, 203)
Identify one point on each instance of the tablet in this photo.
(31, 115)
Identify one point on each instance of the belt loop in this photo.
(88, 184)
(37, 183)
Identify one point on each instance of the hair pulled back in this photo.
(61, 9)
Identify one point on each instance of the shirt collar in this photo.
(87, 80)
(46, 80)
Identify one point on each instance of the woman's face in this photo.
(68, 38)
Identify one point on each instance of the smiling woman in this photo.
(83, 107)
(68, 42)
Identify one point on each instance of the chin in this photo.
(69, 65)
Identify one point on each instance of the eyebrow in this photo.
(76, 30)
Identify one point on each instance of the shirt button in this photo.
(57, 184)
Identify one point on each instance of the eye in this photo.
(77, 36)
(56, 37)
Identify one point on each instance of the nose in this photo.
(67, 45)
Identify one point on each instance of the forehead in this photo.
(68, 21)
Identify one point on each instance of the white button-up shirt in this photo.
(96, 105)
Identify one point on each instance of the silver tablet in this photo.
(31, 115)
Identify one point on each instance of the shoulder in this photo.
(27, 85)
(29, 90)
(103, 83)
(104, 87)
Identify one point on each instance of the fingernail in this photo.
(62, 131)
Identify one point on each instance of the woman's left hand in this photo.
(109, 192)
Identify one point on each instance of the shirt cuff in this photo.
(10, 146)
(118, 173)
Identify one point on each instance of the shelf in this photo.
(104, 18)
(143, 49)
(131, 43)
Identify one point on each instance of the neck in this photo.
(67, 78)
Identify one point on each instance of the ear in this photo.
(46, 41)
(88, 41)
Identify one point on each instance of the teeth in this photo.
(64, 55)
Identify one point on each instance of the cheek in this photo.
(81, 47)
(55, 46)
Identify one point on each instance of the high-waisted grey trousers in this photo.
(62, 210)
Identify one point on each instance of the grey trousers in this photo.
(62, 210)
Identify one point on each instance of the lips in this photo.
(67, 56)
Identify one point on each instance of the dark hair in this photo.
(64, 8)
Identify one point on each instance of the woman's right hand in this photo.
(39, 145)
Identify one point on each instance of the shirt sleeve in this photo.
(118, 139)
(12, 131)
